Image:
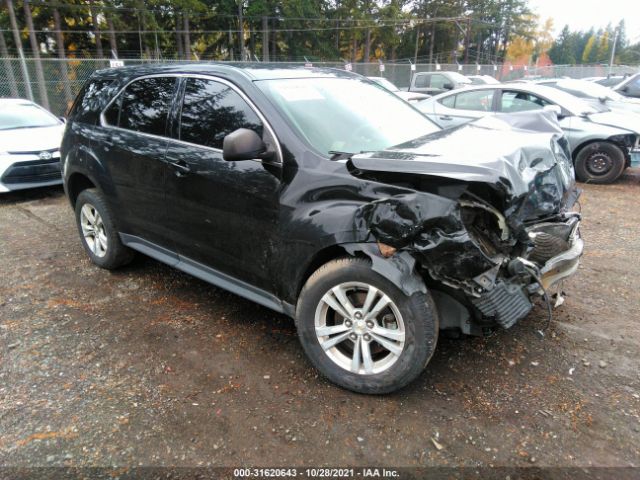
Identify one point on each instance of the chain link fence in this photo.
(64, 78)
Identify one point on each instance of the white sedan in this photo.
(30, 139)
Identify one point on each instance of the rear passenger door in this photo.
(131, 143)
(224, 215)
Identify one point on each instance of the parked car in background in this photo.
(610, 81)
(595, 94)
(255, 179)
(30, 139)
(482, 79)
(408, 96)
(433, 83)
(601, 141)
(630, 86)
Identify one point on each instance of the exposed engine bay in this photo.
(488, 234)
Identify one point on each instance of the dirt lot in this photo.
(148, 366)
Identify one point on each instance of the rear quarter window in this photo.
(93, 97)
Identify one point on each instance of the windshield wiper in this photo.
(337, 155)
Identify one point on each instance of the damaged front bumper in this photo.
(554, 256)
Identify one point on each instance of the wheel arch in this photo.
(610, 140)
(76, 183)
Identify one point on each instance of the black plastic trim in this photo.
(205, 273)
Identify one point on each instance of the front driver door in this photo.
(224, 215)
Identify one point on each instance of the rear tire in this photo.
(600, 162)
(383, 348)
(98, 233)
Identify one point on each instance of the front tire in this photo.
(600, 162)
(98, 233)
(361, 331)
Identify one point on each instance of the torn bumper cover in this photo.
(496, 236)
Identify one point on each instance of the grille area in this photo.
(33, 171)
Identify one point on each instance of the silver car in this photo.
(595, 94)
(601, 141)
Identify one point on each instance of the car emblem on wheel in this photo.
(44, 155)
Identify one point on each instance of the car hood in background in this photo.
(624, 121)
(31, 139)
(524, 156)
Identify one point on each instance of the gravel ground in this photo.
(148, 366)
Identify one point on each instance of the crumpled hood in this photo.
(630, 123)
(497, 150)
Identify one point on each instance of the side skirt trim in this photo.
(205, 273)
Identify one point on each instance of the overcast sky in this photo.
(584, 14)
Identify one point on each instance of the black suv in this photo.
(318, 194)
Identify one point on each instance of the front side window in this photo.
(478, 100)
(211, 110)
(514, 101)
(438, 81)
(144, 106)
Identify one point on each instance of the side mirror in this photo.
(62, 119)
(242, 144)
(448, 86)
(553, 108)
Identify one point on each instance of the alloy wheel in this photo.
(93, 230)
(360, 328)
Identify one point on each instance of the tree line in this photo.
(445, 31)
(594, 46)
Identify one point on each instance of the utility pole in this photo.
(112, 37)
(42, 86)
(613, 50)
(18, 41)
(61, 55)
(96, 29)
(187, 37)
(467, 40)
(241, 29)
(265, 39)
(415, 53)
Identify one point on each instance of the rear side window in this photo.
(144, 106)
(448, 101)
(211, 110)
(91, 99)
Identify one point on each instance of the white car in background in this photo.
(407, 96)
(30, 139)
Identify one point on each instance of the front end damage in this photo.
(489, 222)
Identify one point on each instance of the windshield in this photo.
(346, 114)
(584, 89)
(25, 115)
(385, 83)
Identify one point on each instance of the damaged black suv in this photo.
(318, 194)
